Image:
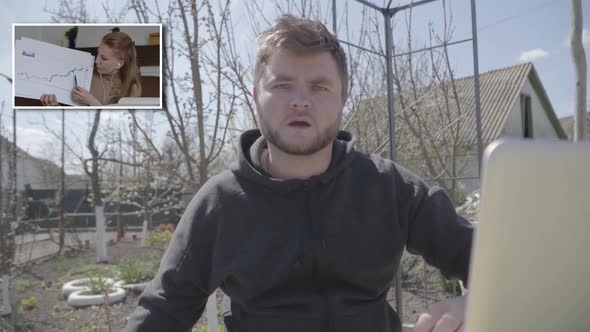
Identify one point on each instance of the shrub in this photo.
(450, 286)
(134, 272)
(166, 227)
(159, 238)
(97, 285)
(29, 303)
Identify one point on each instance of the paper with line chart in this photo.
(46, 68)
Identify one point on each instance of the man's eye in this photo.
(282, 86)
(320, 88)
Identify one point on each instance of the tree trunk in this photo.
(101, 245)
(8, 214)
(120, 228)
(93, 173)
(6, 295)
(144, 230)
(580, 69)
(62, 189)
(194, 57)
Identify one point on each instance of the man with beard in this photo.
(304, 233)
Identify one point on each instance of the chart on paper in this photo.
(43, 68)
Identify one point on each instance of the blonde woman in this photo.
(116, 74)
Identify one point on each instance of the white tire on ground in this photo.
(131, 287)
(79, 284)
(80, 299)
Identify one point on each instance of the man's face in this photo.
(299, 101)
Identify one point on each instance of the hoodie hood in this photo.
(250, 166)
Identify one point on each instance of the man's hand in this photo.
(444, 316)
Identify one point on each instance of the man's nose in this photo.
(301, 102)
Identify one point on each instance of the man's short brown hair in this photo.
(302, 36)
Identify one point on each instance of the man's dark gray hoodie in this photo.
(302, 255)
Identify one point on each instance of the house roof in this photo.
(499, 91)
(567, 123)
(47, 173)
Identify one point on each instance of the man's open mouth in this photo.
(299, 124)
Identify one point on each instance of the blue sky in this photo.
(536, 31)
(510, 32)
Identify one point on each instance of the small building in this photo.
(436, 126)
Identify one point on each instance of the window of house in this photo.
(527, 116)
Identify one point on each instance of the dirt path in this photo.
(45, 278)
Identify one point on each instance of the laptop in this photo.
(530, 267)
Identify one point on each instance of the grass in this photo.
(60, 263)
(107, 270)
(206, 328)
(23, 285)
(87, 260)
(33, 297)
(448, 285)
(97, 284)
(135, 272)
(160, 239)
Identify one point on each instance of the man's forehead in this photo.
(284, 54)
(285, 64)
(312, 77)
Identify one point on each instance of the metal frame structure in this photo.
(388, 14)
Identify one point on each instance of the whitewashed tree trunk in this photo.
(101, 245)
(580, 70)
(144, 230)
(211, 309)
(6, 295)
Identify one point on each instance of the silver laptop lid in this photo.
(530, 268)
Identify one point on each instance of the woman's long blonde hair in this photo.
(129, 72)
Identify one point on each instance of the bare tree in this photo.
(93, 173)
(7, 214)
(195, 39)
(429, 110)
(580, 69)
(151, 189)
(435, 126)
(68, 11)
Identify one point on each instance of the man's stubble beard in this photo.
(319, 142)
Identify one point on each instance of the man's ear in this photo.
(254, 94)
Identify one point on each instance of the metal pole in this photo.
(334, 25)
(389, 64)
(62, 197)
(476, 81)
(388, 15)
(120, 228)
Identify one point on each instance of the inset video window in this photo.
(87, 66)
